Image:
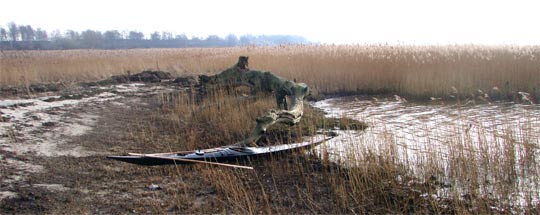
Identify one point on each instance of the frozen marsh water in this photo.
(417, 128)
(489, 149)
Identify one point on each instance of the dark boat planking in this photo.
(219, 154)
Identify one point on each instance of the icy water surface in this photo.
(417, 128)
(491, 150)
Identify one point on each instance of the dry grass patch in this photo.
(375, 181)
(413, 71)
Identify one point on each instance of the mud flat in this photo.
(52, 126)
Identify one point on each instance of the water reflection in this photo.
(417, 128)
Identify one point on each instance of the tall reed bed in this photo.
(372, 177)
(414, 71)
(472, 173)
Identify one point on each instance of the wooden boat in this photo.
(214, 155)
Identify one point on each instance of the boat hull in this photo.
(219, 154)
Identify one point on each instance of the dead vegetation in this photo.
(474, 180)
(500, 72)
(376, 181)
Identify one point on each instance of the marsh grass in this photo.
(470, 177)
(473, 176)
(410, 71)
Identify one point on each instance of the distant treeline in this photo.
(25, 37)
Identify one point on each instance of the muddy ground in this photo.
(67, 183)
(53, 152)
(54, 145)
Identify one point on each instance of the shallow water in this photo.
(416, 128)
(502, 139)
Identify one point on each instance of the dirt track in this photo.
(53, 160)
(53, 150)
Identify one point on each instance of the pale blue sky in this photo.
(336, 21)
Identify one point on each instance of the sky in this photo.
(333, 21)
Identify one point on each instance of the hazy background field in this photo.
(410, 71)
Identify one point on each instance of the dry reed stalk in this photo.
(474, 175)
(412, 71)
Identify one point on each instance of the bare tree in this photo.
(124, 34)
(112, 35)
(73, 35)
(26, 33)
(92, 39)
(246, 39)
(231, 40)
(31, 34)
(166, 35)
(3, 34)
(22, 37)
(13, 31)
(134, 35)
(213, 40)
(182, 40)
(181, 37)
(22, 32)
(155, 36)
(56, 35)
(41, 35)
